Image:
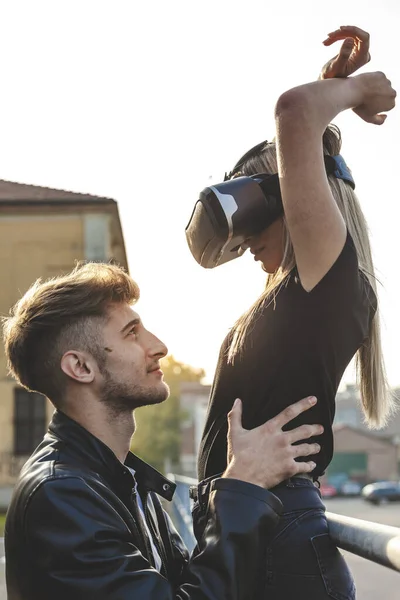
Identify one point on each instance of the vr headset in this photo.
(229, 213)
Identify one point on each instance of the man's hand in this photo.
(266, 455)
(353, 54)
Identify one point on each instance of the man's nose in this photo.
(157, 348)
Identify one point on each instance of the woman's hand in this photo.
(353, 54)
(378, 96)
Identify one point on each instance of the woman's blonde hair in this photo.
(376, 398)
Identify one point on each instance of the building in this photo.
(348, 412)
(361, 453)
(362, 456)
(43, 232)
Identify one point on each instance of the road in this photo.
(372, 581)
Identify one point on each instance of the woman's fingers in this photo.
(340, 64)
(360, 46)
(378, 119)
(379, 98)
(353, 54)
(352, 29)
(348, 31)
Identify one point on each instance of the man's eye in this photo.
(133, 331)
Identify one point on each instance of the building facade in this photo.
(43, 233)
(362, 456)
(348, 412)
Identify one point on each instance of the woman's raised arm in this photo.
(316, 227)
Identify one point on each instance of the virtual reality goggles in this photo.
(229, 213)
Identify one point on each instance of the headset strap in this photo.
(334, 165)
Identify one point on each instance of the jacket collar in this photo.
(84, 447)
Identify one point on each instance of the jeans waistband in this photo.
(305, 476)
(298, 493)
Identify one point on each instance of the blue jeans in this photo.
(302, 561)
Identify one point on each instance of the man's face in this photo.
(131, 376)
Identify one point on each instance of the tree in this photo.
(158, 436)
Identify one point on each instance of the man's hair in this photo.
(61, 314)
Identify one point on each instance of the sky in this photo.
(150, 102)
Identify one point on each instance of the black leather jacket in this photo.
(73, 529)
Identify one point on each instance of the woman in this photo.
(318, 310)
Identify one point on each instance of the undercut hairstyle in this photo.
(60, 314)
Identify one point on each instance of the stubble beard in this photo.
(122, 398)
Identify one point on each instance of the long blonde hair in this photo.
(376, 398)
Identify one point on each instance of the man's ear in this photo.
(79, 366)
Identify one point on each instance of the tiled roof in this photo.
(12, 192)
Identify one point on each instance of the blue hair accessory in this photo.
(336, 165)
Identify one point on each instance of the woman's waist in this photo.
(299, 493)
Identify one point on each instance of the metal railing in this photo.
(182, 509)
(372, 541)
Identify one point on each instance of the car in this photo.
(350, 488)
(382, 492)
(344, 485)
(327, 490)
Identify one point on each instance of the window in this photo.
(29, 421)
(97, 237)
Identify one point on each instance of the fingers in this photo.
(346, 49)
(292, 411)
(304, 467)
(306, 450)
(361, 42)
(346, 31)
(235, 416)
(355, 32)
(378, 119)
(304, 432)
(340, 63)
(380, 98)
(294, 467)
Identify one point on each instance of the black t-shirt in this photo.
(298, 346)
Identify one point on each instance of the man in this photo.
(85, 520)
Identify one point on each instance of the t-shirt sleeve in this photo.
(344, 287)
